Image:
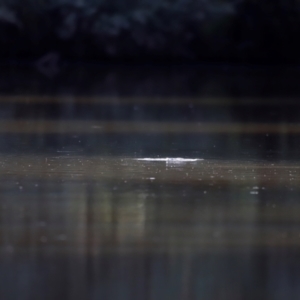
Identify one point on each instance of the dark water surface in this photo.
(81, 217)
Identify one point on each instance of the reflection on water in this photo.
(142, 198)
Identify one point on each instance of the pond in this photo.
(149, 183)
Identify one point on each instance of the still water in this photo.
(150, 184)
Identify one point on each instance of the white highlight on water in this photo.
(171, 159)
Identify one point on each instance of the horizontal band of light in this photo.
(155, 100)
(94, 127)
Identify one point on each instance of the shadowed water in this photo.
(193, 195)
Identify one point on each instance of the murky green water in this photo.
(155, 184)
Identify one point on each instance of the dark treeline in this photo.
(240, 31)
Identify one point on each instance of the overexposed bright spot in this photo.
(171, 159)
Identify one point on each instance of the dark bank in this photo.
(224, 31)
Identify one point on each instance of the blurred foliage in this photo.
(269, 29)
(161, 29)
